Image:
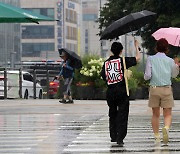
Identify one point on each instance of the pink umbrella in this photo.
(172, 35)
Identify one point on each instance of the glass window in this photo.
(43, 11)
(27, 77)
(50, 13)
(38, 32)
(34, 49)
(36, 11)
(90, 17)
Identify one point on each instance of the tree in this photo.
(168, 15)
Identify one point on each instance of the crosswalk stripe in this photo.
(95, 139)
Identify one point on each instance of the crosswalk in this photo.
(79, 134)
(95, 139)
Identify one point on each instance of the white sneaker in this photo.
(165, 133)
(157, 141)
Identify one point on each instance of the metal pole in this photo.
(125, 44)
(101, 43)
(63, 24)
(34, 84)
(20, 83)
(143, 61)
(5, 83)
(47, 83)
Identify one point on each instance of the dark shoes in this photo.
(120, 143)
(70, 102)
(113, 140)
(62, 101)
(66, 102)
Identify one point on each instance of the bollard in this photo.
(5, 84)
(20, 83)
(47, 83)
(34, 84)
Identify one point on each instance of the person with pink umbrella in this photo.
(159, 70)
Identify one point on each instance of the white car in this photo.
(13, 85)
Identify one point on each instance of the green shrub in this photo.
(133, 84)
(89, 74)
(139, 76)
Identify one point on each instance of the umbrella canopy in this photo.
(129, 23)
(172, 35)
(12, 14)
(76, 60)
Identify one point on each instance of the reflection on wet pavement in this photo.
(56, 133)
(79, 133)
(95, 139)
(40, 133)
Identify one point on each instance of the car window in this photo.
(28, 77)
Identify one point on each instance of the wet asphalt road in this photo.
(48, 127)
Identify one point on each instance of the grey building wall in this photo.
(90, 40)
(10, 49)
(64, 33)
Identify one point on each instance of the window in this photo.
(71, 33)
(34, 49)
(43, 11)
(90, 17)
(72, 47)
(71, 16)
(45, 32)
(28, 77)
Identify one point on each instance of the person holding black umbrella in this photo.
(66, 73)
(117, 95)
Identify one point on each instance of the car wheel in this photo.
(26, 95)
(40, 94)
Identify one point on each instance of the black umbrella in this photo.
(75, 59)
(129, 23)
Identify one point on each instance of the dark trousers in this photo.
(118, 103)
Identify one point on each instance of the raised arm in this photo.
(138, 55)
(175, 68)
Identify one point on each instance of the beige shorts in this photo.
(161, 97)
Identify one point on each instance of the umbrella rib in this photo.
(32, 20)
(177, 40)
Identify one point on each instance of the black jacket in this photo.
(114, 71)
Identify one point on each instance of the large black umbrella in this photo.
(129, 23)
(76, 60)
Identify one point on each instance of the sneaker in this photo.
(157, 141)
(165, 133)
(70, 102)
(113, 140)
(62, 101)
(120, 143)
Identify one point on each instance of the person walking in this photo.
(159, 70)
(116, 95)
(66, 74)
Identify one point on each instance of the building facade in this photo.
(91, 43)
(42, 41)
(10, 48)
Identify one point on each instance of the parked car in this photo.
(53, 88)
(13, 85)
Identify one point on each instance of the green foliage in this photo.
(89, 74)
(168, 15)
(133, 85)
(176, 79)
(137, 79)
(139, 76)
